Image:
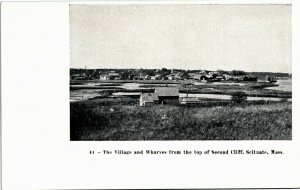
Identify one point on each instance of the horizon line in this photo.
(183, 69)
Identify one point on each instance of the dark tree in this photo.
(238, 97)
(237, 72)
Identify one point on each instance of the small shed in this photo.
(148, 99)
(114, 76)
(167, 95)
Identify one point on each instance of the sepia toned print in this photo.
(180, 72)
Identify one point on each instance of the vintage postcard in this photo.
(180, 72)
(150, 94)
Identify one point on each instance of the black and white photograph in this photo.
(150, 72)
(198, 94)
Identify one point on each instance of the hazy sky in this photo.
(228, 37)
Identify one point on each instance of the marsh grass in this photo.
(94, 121)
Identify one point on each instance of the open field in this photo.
(107, 110)
(116, 119)
(252, 89)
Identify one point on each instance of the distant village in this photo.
(169, 94)
(170, 74)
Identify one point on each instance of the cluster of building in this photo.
(202, 75)
(110, 76)
(164, 96)
(216, 76)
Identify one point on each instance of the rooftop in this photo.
(167, 91)
(149, 97)
(113, 74)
